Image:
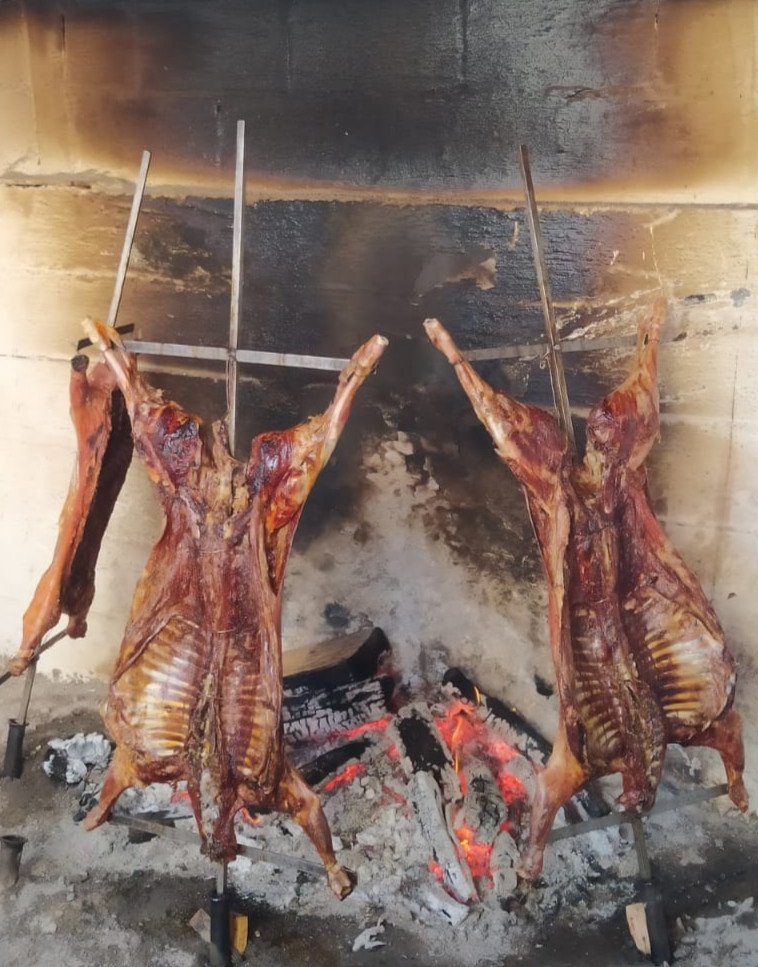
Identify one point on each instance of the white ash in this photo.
(368, 939)
(161, 798)
(728, 939)
(76, 758)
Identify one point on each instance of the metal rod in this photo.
(221, 877)
(555, 361)
(187, 836)
(126, 251)
(579, 345)
(40, 651)
(617, 819)
(236, 297)
(253, 356)
(640, 845)
(26, 696)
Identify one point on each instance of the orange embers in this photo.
(477, 854)
(375, 726)
(469, 738)
(347, 775)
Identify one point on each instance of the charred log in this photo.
(363, 664)
(325, 703)
(325, 765)
(330, 713)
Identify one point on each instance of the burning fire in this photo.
(467, 737)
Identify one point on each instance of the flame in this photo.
(468, 737)
(393, 753)
(347, 775)
(465, 734)
(477, 854)
(252, 819)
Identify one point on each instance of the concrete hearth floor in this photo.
(95, 899)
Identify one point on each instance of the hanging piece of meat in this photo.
(196, 694)
(104, 452)
(639, 654)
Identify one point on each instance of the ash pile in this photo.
(428, 800)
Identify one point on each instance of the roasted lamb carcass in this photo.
(197, 689)
(104, 452)
(639, 654)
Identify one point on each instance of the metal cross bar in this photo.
(617, 819)
(187, 836)
(219, 353)
(579, 345)
(557, 376)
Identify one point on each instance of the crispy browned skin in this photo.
(639, 654)
(104, 452)
(197, 689)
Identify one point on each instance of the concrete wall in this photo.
(382, 146)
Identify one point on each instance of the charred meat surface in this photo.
(639, 655)
(104, 452)
(196, 694)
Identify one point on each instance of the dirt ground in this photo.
(95, 898)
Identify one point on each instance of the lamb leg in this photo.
(296, 797)
(725, 736)
(556, 784)
(104, 450)
(121, 775)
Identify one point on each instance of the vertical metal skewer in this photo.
(232, 380)
(14, 753)
(220, 900)
(555, 358)
(131, 227)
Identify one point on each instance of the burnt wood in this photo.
(363, 664)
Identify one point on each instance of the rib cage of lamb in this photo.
(197, 688)
(639, 654)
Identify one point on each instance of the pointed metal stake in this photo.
(131, 228)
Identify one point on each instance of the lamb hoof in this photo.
(340, 881)
(530, 866)
(738, 795)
